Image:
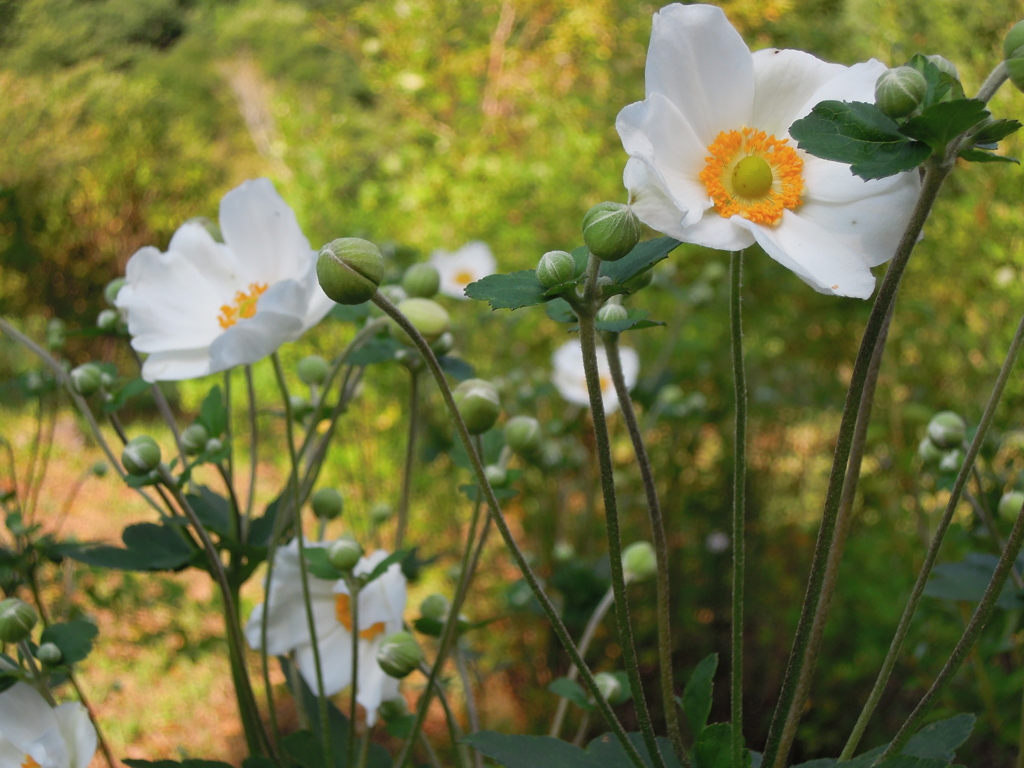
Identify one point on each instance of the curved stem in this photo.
(410, 458)
(660, 541)
(254, 434)
(933, 551)
(353, 602)
(588, 343)
(499, 521)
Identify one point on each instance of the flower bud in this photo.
(900, 91)
(16, 620)
(945, 65)
(435, 607)
(49, 654)
(495, 475)
(610, 687)
(523, 434)
(394, 293)
(393, 709)
(107, 320)
(1013, 43)
(312, 370)
(399, 654)
(928, 452)
(380, 513)
(555, 268)
(639, 561)
(140, 455)
(427, 316)
(1015, 71)
(1010, 504)
(444, 343)
(478, 404)
(421, 280)
(106, 379)
(611, 230)
(612, 313)
(55, 332)
(194, 439)
(563, 551)
(327, 504)
(947, 429)
(99, 469)
(639, 282)
(112, 289)
(349, 270)
(344, 554)
(951, 461)
(213, 445)
(86, 379)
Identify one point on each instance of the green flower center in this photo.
(752, 177)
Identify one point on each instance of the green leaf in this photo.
(995, 131)
(304, 748)
(714, 748)
(511, 291)
(529, 751)
(560, 311)
(212, 510)
(395, 557)
(821, 762)
(606, 752)
(940, 123)
(381, 349)
(427, 626)
(74, 638)
(148, 547)
(126, 392)
(400, 728)
(456, 367)
(350, 313)
(212, 413)
(134, 763)
(635, 320)
(258, 761)
(262, 528)
(644, 256)
(319, 565)
(501, 494)
(908, 761)
(967, 581)
(571, 690)
(940, 740)
(939, 83)
(867, 759)
(974, 155)
(859, 135)
(697, 695)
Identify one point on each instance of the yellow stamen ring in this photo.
(343, 612)
(243, 307)
(463, 277)
(30, 762)
(753, 175)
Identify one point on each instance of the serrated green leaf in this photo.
(697, 695)
(560, 311)
(400, 728)
(212, 413)
(304, 748)
(571, 690)
(939, 83)
(511, 291)
(714, 748)
(907, 761)
(996, 131)
(940, 123)
(821, 762)
(644, 256)
(148, 547)
(74, 638)
(529, 751)
(859, 135)
(974, 155)
(940, 740)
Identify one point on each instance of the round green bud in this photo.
(301, 407)
(435, 607)
(421, 280)
(380, 513)
(141, 455)
(947, 429)
(478, 404)
(928, 452)
(555, 268)
(99, 469)
(951, 461)
(349, 270)
(639, 561)
(1010, 504)
(495, 475)
(86, 379)
(610, 687)
(523, 434)
(1015, 71)
(312, 370)
(612, 313)
(112, 289)
(945, 65)
(563, 551)
(106, 379)
(1013, 43)
(16, 620)
(427, 316)
(55, 333)
(327, 504)
(194, 439)
(399, 654)
(107, 320)
(393, 709)
(900, 91)
(639, 282)
(213, 445)
(443, 344)
(611, 230)
(49, 654)
(344, 554)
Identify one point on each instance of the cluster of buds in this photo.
(944, 441)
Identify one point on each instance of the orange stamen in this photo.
(463, 278)
(343, 611)
(244, 305)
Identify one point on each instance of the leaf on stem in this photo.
(148, 547)
(511, 291)
(697, 695)
(940, 123)
(74, 638)
(213, 414)
(571, 690)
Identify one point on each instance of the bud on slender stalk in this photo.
(427, 316)
(380, 513)
(86, 379)
(900, 91)
(928, 452)
(612, 313)
(478, 404)
(609, 686)
(639, 561)
(1013, 43)
(349, 270)
(327, 504)
(611, 230)
(194, 439)
(435, 607)
(495, 475)
(49, 654)
(107, 320)
(312, 370)
(555, 268)
(1010, 504)
(16, 620)
(399, 654)
(112, 289)
(947, 429)
(523, 434)
(344, 554)
(421, 280)
(141, 455)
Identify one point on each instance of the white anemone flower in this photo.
(381, 603)
(571, 380)
(35, 735)
(204, 306)
(711, 160)
(473, 261)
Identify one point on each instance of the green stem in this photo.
(454, 731)
(660, 541)
(37, 676)
(499, 521)
(253, 444)
(410, 458)
(934, 176)
(467, 687)
(588, 343)
(353, 602)
(293, 482)
(933, 551)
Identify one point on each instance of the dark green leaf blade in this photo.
(148, 547)
(511, 291)
(941, 739)
(974, 155)
(571, 690)
(940, 123)
(529, 751)
(607, 752)
(644, 256)
(74, 638)
(697, 695)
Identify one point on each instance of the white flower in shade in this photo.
(711, 161)
(35, 735)
(204, 306)
(470, 263)
(717, 542)
(571, 381)
(381, 603)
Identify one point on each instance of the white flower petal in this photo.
(177, 365)
(375, 685)
(701, 64)
(473, 261)
(78, 732)
(24, 714)
(856, 83)
(10, 755)
(569, 376)
(335, 662)
(278, 319)
(784, 81)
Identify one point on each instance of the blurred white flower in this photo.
(711, 161)
(204, 306)
(571, 381)
(716, 542)
(470, 263)
(35, 735)
(381, 603)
